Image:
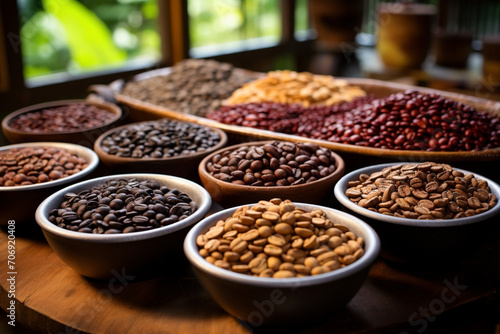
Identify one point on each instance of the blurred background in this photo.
(55, 49)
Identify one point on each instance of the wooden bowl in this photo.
(182, 165)
(229, 194)
(84, 137)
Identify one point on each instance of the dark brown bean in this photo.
(142, 211)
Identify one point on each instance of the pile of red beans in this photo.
(407, 121)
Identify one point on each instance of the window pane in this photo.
(224, 24)
(74, 37)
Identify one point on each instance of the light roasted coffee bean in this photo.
(280, 249)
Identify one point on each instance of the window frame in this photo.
(173, 24)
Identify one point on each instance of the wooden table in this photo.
(396, 298)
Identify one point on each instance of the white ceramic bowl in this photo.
(405, 239)
(138, 253)
(290, 300)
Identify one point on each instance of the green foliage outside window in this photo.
(88, 35)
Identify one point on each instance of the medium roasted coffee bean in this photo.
(274, 164)
(427, 195)
(141, 212)
(45, 164)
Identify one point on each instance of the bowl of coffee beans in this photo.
(420, 209)
(30, 172)
(71, 121)
(125, 222)
(160, 146)
(287, 262)
(248, 172)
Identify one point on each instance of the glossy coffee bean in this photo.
(140, 213)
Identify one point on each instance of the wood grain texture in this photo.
(141, 110)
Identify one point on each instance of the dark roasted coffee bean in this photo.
(139, 214)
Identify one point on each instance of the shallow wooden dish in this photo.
(140, 110)
(84, 137)
(182, 165)
(229, 194)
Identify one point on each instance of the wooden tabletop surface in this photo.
(452, 297)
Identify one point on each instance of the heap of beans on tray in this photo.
(273, 164)
(407, 120)
(122, 206)
(31, 165)
(422, 191)
(194, 86)
(71, 117)
(276, 239)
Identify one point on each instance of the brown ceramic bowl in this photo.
(182, 165)
(19, 203)
(84, 137)
(229, 194)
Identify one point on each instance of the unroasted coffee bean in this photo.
(449, 194)
(146, 202)
(160, 139)
(292, 243)
(297, 163)
(71, 117)
(407, 121)
(32, 165)
(194, 86)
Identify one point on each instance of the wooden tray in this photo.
(141, 110)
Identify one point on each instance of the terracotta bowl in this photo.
(19, 203)
(262, 301)
(229, 194)
(84, 137)
(182, 165)
(139, 254)
(414, 240)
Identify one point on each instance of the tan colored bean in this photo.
(214, 232)
(212, 245)
(251, 235)
(303, 232)
(283, 274)
(283, 228)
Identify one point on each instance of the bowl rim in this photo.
(372, 248)
(202, 169)
(111, 157)
(93, 162)
(117, 111)
(342, 185)
(44, 208)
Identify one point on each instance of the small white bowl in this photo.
(293, 300)
(405, 239)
